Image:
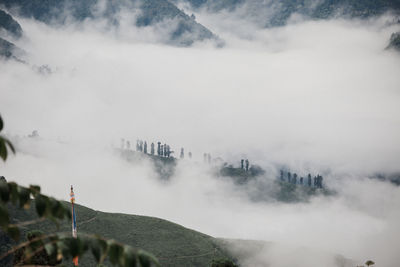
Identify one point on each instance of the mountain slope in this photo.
(9, 50)
(182, 29)
(277, 13)
(9, 29)
(394, 43)
(8, 24)
(171, 243)
(6, 48)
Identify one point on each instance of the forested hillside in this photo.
(277, 13)
(184, 29)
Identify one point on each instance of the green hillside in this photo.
(172, 244)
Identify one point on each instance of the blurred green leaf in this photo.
(51, 250)
(75, 247)
(144, 259)
(13, 187)
(4, 192)
(34, 234)
(13, 232)
(41, 205)
(35, 190)
(3, 149)
(56, 209)
(129, 257)
(24, 196)
(98, 248)
(4, 217)
(10, 145)
(115, 253)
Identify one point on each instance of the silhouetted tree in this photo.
(369, 262)
(137, 145)
(247, 165)
(301, 180)
(242, 163)
(145, 147)
(152, 148)
(182, 155)
(34, 134)
(282, 175)
(141, 146)
(168, 151)
(319, 181)
(295, 178)
(165, 150)
(289, 177)
(159, 148)
(309, 180)
(162, 150)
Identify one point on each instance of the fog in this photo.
(318, 96)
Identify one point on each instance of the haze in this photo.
(314, 96)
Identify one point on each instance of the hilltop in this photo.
(253, 182)
(172, 244)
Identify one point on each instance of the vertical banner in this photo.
(74, 230)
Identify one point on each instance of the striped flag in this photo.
(74, 230)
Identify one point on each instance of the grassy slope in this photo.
(169, 242)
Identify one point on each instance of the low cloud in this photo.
(313, 96)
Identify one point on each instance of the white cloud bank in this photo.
(313, 95)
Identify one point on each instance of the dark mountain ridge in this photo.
(9, 29)
(150, 12)
(10, 25)
(277, 13)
